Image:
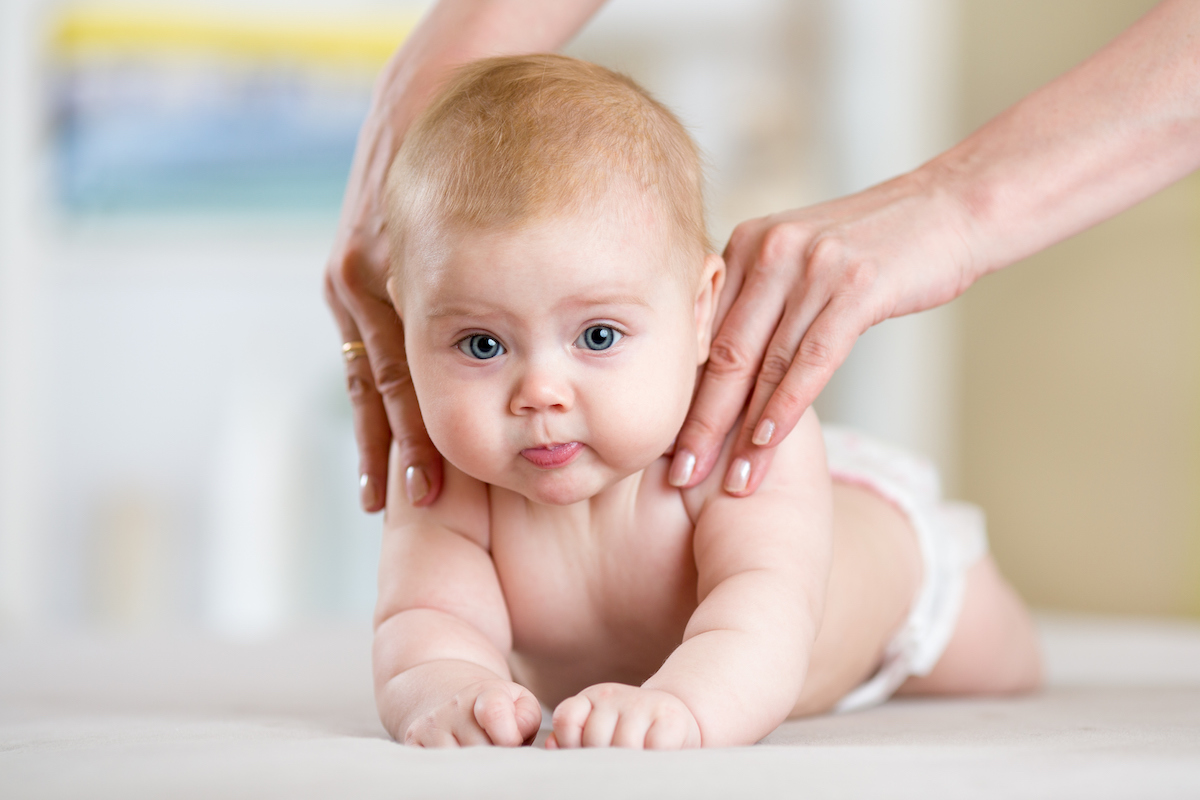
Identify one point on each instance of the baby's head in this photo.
(551, 268)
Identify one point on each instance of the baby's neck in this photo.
(587, 517)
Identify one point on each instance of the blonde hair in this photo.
(516, 139)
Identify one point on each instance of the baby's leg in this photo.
(994, 648)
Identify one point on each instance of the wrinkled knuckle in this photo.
(775, 366)
(392, 378)
(780, 247)
(327, 287)
(360, 388)
(826, 251)
(742, 236)
(703, 429)
(814, 352)
(860, 276)
(787, 401)
(412, 444)
(727, 358)
(346, 266)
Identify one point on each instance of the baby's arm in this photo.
(442, 632)
(763, 563)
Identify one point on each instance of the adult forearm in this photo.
(1113, 131)
(457, 31)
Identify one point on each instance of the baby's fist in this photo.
(488, 712)
(616, 715)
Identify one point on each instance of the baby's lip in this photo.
(551, 456)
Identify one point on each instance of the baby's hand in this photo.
(488, 712)
(616, 715)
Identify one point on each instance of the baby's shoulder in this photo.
(794, 464)
(462, 505)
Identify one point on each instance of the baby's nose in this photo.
(542, 389)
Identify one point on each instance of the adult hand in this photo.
(802, 286)
(378, 381)
(1077, 151)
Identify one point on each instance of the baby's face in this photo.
(559, 358)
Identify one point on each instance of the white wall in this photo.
(890, 89)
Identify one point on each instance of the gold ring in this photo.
(353, 350)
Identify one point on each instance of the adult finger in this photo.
(371, 429)
(728, 377)
(751, 454)
(825, 345)
(383, 336)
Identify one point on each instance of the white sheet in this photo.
(190, 716)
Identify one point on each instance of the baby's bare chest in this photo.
(608, 603)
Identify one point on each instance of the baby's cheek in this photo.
(462, 433)
(646, 414)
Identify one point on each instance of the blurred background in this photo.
(175, 443)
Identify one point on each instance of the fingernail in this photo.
(366, 489)
(764, 432)
(738, 477)
(415, 484)
(682, 467)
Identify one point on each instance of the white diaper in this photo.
(951, 535)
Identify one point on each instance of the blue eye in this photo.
(481, 346)
(598, 337)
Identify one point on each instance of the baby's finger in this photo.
(432, 737)
(569, 719)
(598, 730)
(529, 716)
(631, 730)
(496, 713)
(468, 733)
(666, 733)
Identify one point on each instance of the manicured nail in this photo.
(366, 490)
(738, 477)
(764, 432)
(682, 467)
(415, 484)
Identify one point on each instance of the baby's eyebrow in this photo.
(580, 300)
(437, 312)
(607, 300)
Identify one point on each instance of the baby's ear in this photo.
(708, 294)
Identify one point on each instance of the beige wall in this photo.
(1081, 418)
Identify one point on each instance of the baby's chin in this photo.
(559, 487)
(564, 486)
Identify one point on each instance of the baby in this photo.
(557, 291)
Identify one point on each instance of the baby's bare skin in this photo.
(646, 615)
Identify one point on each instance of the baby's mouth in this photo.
(552, 456)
